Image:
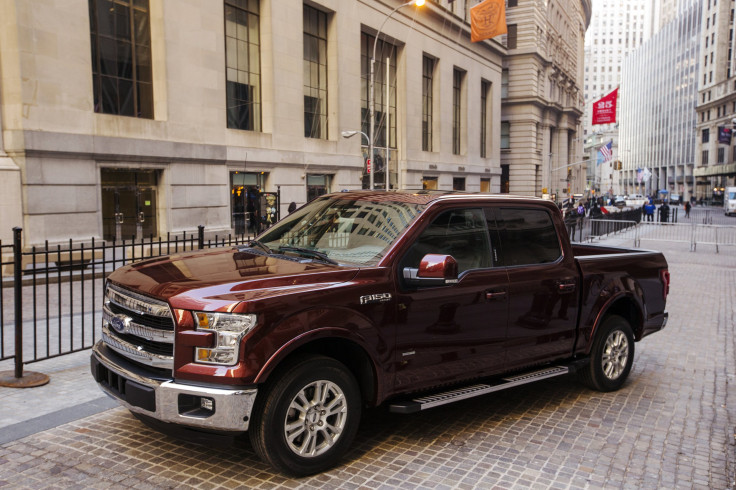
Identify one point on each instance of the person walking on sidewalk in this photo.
(688, 206)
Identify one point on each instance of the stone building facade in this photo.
(141, 117)
(542, 100)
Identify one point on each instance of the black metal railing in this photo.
(51, 295)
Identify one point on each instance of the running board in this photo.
(423, 403)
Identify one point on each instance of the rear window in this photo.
(528, 236)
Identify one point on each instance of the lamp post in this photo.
(371, 89)
(350, 133)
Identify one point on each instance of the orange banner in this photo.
(487, 20)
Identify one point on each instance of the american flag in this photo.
(605, 152)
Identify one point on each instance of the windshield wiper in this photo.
(261, 245)
(308, 251)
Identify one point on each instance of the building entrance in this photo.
(128, 203)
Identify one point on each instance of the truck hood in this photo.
(215, 279)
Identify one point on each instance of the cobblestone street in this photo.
(671, 426)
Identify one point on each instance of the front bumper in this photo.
(168, 401)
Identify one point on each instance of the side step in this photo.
(423, 403)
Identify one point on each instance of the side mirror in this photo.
(434, 270)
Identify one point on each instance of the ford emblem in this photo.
(120, 323)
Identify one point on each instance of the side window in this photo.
(528, 236)
(459, 232)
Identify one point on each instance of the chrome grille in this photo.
(138, 327)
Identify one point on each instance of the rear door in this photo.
(543, 286)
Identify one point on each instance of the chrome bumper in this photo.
(168, 401)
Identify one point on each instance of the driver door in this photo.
(454, 331)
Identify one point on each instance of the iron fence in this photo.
(51, 295)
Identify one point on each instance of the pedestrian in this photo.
(292, 207)
(664, 212)
(688, 206)
(649, 211)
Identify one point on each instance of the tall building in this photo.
(715, 154)
(659, 90)
(618, 27)
(125, 118)
(542, 96)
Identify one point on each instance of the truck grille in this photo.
(138, 327)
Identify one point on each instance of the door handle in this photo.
(566, 286)
(491, 295)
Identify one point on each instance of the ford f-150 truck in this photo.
(407, 300)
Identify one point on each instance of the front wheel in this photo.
(308, 418)
(611, 357)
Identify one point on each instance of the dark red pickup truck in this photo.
(404, 299)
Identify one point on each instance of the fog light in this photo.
(207, 403)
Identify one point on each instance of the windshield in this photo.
(350, 231)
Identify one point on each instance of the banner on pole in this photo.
(604, 110)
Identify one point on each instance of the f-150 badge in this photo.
(375, 298)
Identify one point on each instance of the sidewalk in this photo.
(71, 394)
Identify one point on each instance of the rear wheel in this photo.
(611, 357)
(308, 417)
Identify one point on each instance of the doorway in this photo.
(128, 203)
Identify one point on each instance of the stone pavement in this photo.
(671, 426)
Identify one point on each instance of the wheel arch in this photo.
(344, 350)
(627, 308)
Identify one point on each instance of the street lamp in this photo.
(371, 94)
(350, 134)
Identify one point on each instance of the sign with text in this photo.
(604, 110)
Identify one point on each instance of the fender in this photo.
(604, 304)
(341, 323)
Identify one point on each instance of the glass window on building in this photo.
(458, 183)
(317, 185)
(427, 91)
(511, 36)
(505, 133)
(243, 64)
(485, 185)
(429, 183)
(485, 90)
(505, 83)
(458, 77)
(122, 77)
(721, 155)
(315, 73)
(706, 135)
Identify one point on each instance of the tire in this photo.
(308, 417)
(611, 357)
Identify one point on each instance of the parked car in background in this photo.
(675, 199)
(619, 201)
(729, 201)
(635, 200)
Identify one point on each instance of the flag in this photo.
(638, 175)
(604, 153)
(604, 110)
(645, 174)
(487, 20)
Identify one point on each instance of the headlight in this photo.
(229, 329)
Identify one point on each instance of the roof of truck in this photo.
(428, 196)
